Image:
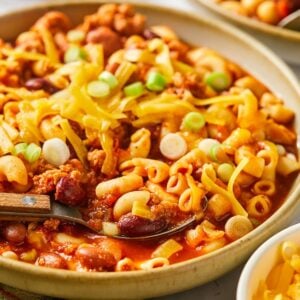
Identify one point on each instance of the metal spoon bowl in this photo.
(25, 207)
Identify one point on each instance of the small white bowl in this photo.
(263, 260)
(285, 42)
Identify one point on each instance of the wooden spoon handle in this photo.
(29, 203)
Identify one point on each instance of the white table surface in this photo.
(223, 288)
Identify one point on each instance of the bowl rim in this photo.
(289, 203)
(274, 30)
(257, 255)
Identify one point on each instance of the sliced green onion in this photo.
(56, 151)
(98, 89)
(134, 90)
(193, 121)
(109, 78)
(156, 82)
(173, 146)
(206, 144)
(75, 36)
(225, 171)
(74, 53)
(20, 149)
(218, 81)
(32, 153)
(213, 152)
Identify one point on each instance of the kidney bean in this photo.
(131, 225)
(41, 84)
(51, 260)
(110, 40)
(95, 258)
(15, 233)
(69, 191)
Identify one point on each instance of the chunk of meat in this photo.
(96, 159)
(45, 183)
(169, 212)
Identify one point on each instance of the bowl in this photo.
(263, 260)
(235, 45)
(282, 41)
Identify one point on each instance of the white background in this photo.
(224, 288)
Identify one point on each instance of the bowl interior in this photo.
(233, 44)
(263, 260)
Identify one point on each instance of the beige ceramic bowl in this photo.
(262, 262)
(284, 42)
(142, 284)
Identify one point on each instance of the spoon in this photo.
(292, 21)
(29, 207)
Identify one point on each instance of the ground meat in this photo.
(54, 21)
(42, 166)
(120, 18)
(141, 72)
(190, 82)
(178, 49)
(30, 41)
(95, 159)
(97, 212)
(51, 224)
(168, 211)
(45, 180)
(45, 183)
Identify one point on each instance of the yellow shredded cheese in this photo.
(50, 47)
(74, 139)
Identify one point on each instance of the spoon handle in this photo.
(28, 203)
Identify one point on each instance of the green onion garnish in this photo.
(134, 90)
(193, 121)
(109, 78)
(75, 36)
(156, 82)
(218, 81)
(20, 149)
(32, 153)
(213, 152)
(225, 171)
(98, 89)
(74, 53)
